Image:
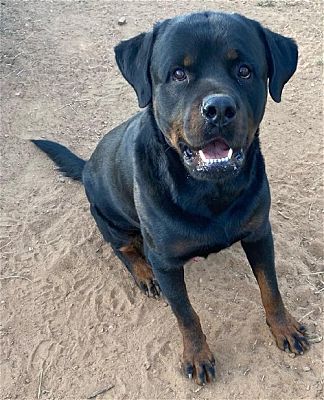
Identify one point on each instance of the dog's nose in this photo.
(219, 109)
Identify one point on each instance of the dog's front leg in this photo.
(289, 334)
(198, 360)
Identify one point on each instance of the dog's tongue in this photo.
(216, 149)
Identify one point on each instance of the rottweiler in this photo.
(185, 176)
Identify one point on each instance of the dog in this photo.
(185, 177)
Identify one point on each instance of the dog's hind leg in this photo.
(128, 247)
(131, 255)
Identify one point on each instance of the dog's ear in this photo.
(133, 58)
(282, 56)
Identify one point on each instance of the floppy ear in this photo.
(133, 58)
(282, 56)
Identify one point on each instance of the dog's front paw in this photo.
(199, 365)
(290, 335)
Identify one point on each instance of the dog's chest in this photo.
(188, 239)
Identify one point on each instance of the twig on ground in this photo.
(17, 55)
(27, 37)
(40, 384)
(309, 212)
(306, 315)
(15, 276)
(71, 103)
(100, 391)
(283, 215)
(6, 76)
(311, 284)
(234, 300)
(60, 108)
(5, 245)
(314, 273)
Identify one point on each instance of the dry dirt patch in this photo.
(68, 309)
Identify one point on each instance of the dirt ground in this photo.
(72, 320)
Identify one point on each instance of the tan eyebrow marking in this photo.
(232, 54)
(187, 61)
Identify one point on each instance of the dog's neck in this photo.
(205, 197)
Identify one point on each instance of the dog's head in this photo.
(207, 75)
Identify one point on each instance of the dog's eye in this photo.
(244, 72)
(179, 75)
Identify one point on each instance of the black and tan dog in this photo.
(185, 177)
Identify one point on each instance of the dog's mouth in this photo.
(217, 155)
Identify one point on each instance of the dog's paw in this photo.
(150, 287)
(290, 335)
(145, 280)
(199, 366)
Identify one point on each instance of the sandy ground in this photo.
(72, 320)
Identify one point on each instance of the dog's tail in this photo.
(69, 164)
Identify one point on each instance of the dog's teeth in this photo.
(230, 153)
(209, 161)
(202, 155)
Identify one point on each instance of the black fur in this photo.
(69, 164)
(154, 198)
(282, 55)
(138, 50)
